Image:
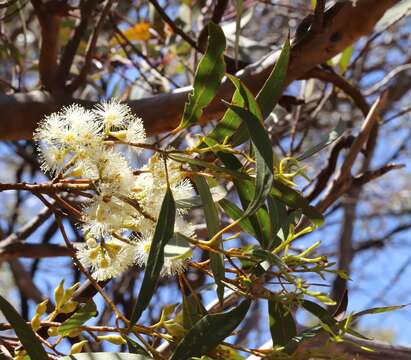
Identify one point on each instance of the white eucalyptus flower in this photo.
(113, 114)
(107, 260)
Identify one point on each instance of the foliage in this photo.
(130, 215)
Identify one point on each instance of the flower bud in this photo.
(69, 292)
(35, 322)
(52, 331)
(42, 307)
(114, 339)
(59, 294)
(78, 347)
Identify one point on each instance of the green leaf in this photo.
(134, 347)
(213, 226)
(263, 156)
(272, 89)
(271, 258)
(84, 313)
(207, 80)
(319, 312)
(209, 332)
(282, 324)
(193, 311)
(307, 334)
(231, 125)
(105, 356)
(217, 193)
(295, 200)
(285, 194)
(234, 212)
(377, 310)
(278, 214)
(23, 331)
(209, 165)
(162, 234)
(345, 58)
(328, 140)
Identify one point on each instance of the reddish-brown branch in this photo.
(161, 113)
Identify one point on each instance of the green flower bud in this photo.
(52, 331)
(114, 339)
(35, 322)
(69, 292)
(78, 347)
(59, 294)
(42, 307)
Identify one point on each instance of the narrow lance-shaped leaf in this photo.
(23, 331)
(209, 332)
(213, 226)
(285, 194)
(234, 212)
(282, 324)
(272, 89)
(261, 145)
(263, 156)
(86, 312)
(162, 234)
(134, 347)
(231, 125)
(207, 80)
(377, 310)
(269, 94)
(328, 140)
(319, 312)
(106, 356)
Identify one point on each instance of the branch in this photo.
(382, 350)
(162, 113)
(344, 180)
(341, 83)
(69, 52)
(33, 251)
(81, 78)
(49, 21)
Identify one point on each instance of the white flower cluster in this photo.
(119, 221)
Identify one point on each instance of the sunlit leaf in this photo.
(377, 310)
(209, 73)
(138, 32)
(345, 58)
(270, 93)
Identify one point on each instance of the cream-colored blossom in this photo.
(135, 132)
(174, 262)
(63, 136)
(113, 114)
(106, 260)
